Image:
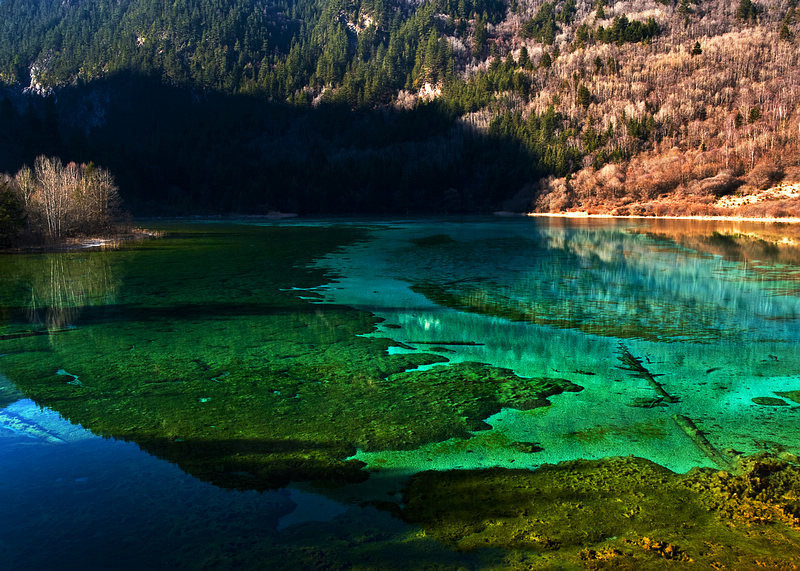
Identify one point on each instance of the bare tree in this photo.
(52, 196)
(25, 185)
(99, 197)
(62, 200)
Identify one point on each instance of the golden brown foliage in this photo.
(62, 200)
(684, 129)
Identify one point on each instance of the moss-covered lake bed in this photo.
(214, 348)
(617, 513)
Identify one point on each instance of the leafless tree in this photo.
(52, 196)
(63, 200)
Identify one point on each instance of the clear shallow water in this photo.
(718, 325)
(181, 346)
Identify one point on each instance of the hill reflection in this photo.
(670, 282)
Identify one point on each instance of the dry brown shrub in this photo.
(646, 186)
(700, 209)
(771, 209)
(661, 208)
(694, 188)
(553, 196)
(707, 164)
(651, 175)
(621, 211)
(721, 184)
(711, 188)
(765, 174)
(601, 190)
(792, 174)
(611, 175)
(585, 185)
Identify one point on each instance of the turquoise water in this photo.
(718, 326)
(236, 394)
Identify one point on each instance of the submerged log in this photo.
(699, 438)
(635, 365)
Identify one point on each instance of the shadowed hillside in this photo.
(641, 106)
(174, 150)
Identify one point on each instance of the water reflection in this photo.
(625, 283)
(213, 358)
(52, 289)
(769, 252)
(734, 241)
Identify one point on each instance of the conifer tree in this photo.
(11, 215)
(584, 96)
(524, 58)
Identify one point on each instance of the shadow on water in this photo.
(87, 509)
(210, 272)
(258, 464)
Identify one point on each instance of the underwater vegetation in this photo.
(237, 376)
(620, 513)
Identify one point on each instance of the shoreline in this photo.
(109, 241)
(586, 215)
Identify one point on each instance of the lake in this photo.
(345, 393)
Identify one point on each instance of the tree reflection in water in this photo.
(59, 286)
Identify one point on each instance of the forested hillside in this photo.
(643, 106)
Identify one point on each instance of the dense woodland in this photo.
(343, 106)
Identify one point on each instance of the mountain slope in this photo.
(639, 106)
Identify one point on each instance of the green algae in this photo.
(641, 431)
(769, 401)
(793, 396)
(619, 512)
(205, 354)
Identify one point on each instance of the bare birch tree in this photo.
(51, 199)
(62, 200)
(25, 184)
(99, 197)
